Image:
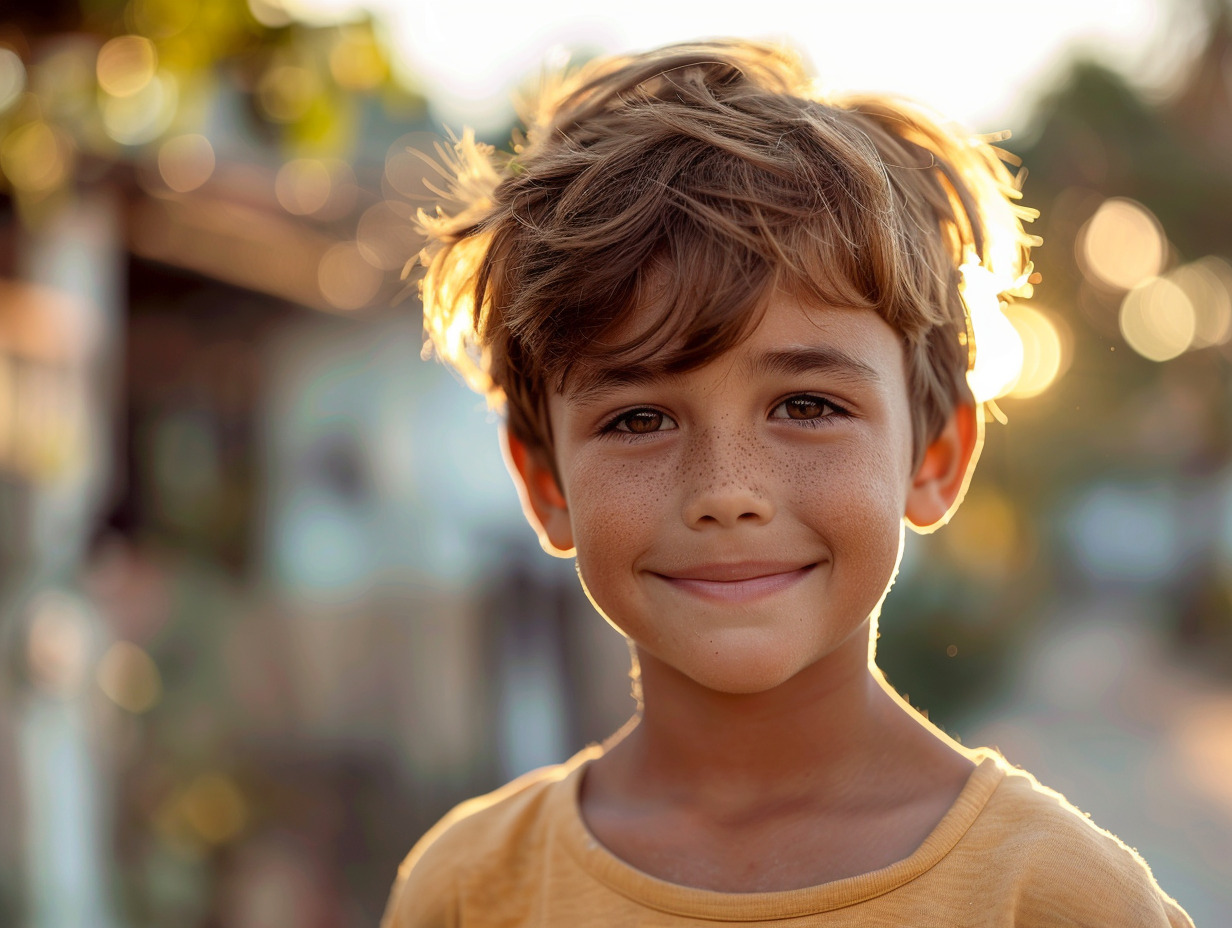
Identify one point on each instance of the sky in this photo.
(981, 62)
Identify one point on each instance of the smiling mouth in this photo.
(736, 582)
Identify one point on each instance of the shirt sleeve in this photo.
(1104, 885)
(425, 893)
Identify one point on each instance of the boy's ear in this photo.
(940, 482)
(543, 503)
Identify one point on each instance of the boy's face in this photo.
(742, 520)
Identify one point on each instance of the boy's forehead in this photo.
(788, 336)
(688, 306)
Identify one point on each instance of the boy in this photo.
(724, 318)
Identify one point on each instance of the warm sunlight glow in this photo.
(1208, 284)
(514, 39)
(126, 65)
(186, 162)
(1044, 349)
(129, 678)
(1122, 245)
(1157, 319)
(998, 346)
(449, 311)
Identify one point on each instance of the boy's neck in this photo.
(820, 733)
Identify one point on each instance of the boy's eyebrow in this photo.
(811, 359)
(594, 382)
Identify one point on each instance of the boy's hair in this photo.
(694, 180)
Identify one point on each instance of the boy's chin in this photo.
(743, 683)
(747, 668)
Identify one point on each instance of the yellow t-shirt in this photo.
(1009, 852)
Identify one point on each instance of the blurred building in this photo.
(266, 609)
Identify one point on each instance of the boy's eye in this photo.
(805, 407)
(641, 422)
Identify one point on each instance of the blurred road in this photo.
(1101, 712)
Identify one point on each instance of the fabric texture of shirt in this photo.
(1008, 852)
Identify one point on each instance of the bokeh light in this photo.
(1157, 319)
(36, 158)
(1203, 737)
(1045, 349)
(126, 64)
(303, 186)
(269, 13)
(57, 643)
(129, 677)
(322, 188)
(12, 77)
(985, 533)
(143, 114)
(286, 91)
(1124, 533)
(346, 279)
(209, 810)
(63, 81)
(1122, 245)
(1208, 284)
(186, 162)
(214, 807)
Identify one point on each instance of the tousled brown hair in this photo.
(694, 180)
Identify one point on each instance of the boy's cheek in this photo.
(616, 489)
(852, 488)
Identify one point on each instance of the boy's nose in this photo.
(724, 487)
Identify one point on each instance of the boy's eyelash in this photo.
(829, 410)
(612, 426)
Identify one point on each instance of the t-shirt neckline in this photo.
(670, 898)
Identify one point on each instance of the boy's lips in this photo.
(735, 582)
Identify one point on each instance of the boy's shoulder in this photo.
(494, 837)
(1057, 865)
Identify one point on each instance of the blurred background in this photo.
(267, 604)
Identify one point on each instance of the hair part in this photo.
(695, 180)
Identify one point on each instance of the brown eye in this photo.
(804, 407)
(642, 421)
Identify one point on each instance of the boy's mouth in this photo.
(738, 582)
